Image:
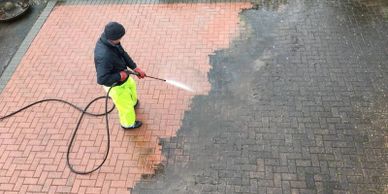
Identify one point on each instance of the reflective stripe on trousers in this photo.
(125, 97)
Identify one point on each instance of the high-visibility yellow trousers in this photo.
(125, 97)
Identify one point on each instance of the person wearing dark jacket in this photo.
(111, 63)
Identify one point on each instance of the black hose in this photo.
(84, 111)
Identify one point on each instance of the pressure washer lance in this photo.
(83, 112)
(138, 74)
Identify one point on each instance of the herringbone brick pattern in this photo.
(169, 41)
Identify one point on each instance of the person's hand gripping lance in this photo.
(124, 75)
(137, 71)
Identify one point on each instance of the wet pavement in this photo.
(291, 97)
(13, 32)
(298, 104)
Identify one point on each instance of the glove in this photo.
(124, 75)
(139, 73)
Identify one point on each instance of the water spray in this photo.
(171, 82)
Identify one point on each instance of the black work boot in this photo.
(135, 126)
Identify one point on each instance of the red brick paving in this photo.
(169, 41)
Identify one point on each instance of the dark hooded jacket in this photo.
(109, 61)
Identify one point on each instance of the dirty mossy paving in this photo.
(298, 104)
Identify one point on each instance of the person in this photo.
(112, 63)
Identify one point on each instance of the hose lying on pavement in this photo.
(83, 112)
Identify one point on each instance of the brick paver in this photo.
(170, 41)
